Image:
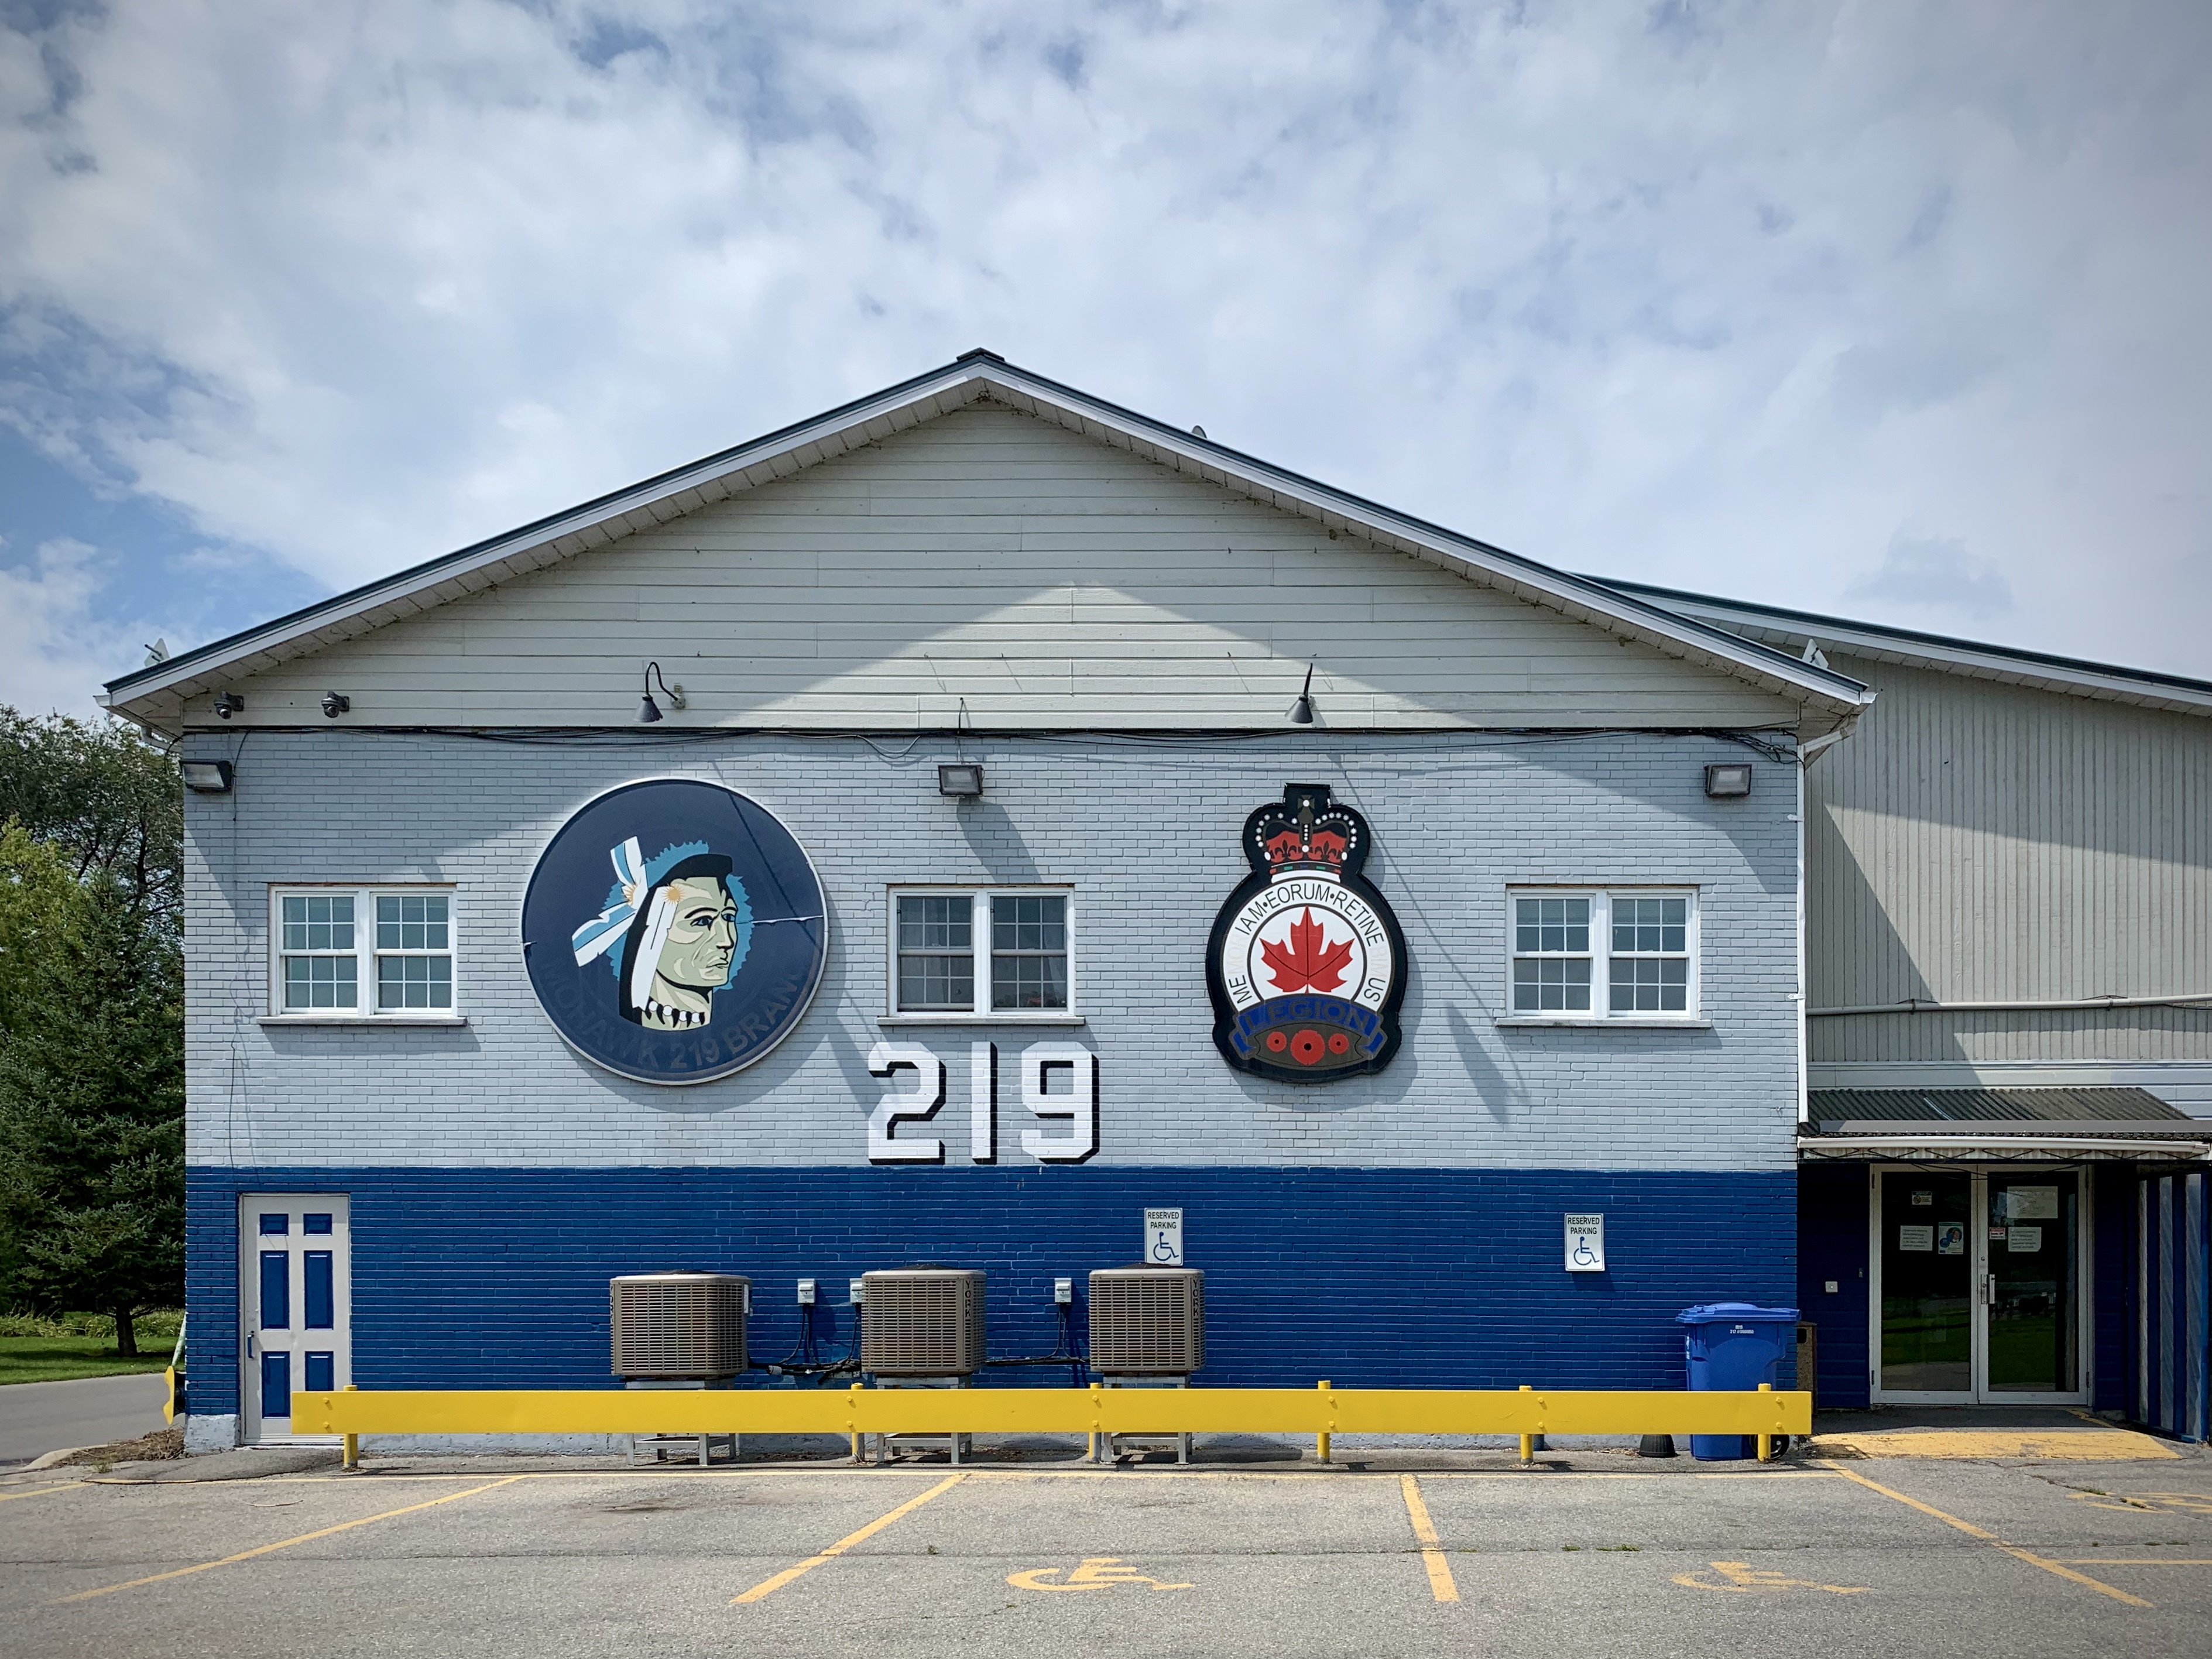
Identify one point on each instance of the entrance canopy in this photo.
(2009, 1126)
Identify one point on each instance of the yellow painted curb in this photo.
(2084, 1445)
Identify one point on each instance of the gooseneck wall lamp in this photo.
(649, 711)
(1302, 710)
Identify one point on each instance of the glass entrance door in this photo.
(1927, 1266)
(2031, 1285)
(1977, 1278)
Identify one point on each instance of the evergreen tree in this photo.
(92, 1119)
(91, 1022)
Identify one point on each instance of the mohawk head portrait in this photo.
(676, 929)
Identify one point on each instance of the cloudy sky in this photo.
(1893, 310)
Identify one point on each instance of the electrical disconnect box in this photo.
(806, 1293)
(856, 1292)
(1063, 1291)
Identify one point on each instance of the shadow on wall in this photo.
(1491, 1086)
(1855, 955)
(999, 847)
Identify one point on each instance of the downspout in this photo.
(1807, 754)
(1804, 990)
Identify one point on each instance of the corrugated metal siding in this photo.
(1049, 581)
(1978, 842)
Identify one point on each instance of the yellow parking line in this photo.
(1432, 1555)
(1993, 1540)
(769, 1586)
(66, 1485)
(2136, 1561)
(286, 1544)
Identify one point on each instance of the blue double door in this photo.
(295, 1303)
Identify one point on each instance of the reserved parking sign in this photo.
(1585, 1243)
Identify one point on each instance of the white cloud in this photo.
(1939, 575)
(1718, 294)
(55, 644)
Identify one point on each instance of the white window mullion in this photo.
(979, 935)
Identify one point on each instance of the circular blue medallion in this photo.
(674, 930)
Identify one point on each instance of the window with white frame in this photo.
(1603, 955)
(995, 952)
(365, 951)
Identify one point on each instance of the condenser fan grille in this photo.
(1147, 1322)
(921, 1322)
(678, 1326)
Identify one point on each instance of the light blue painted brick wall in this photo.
(1146, 832)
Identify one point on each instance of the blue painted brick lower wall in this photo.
(1832, 1249)
(1369, 1278)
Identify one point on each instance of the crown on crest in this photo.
(1308, 833)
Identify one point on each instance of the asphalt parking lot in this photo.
(1580, 1554)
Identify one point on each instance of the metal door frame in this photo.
(1977, 1391)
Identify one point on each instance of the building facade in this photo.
(495, 991)
(2009, 915)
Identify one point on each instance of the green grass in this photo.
(38, 1348)
(57, 1358)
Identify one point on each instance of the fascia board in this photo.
(1911, 649)
(159, 690)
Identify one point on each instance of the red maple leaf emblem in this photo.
(1311, 961)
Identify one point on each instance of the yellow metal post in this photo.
(1528, 1441)
(1321, 1440)
(1766, 1441)
(351, 1459)
(852, 1430)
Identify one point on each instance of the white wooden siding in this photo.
(1979, 842)
(1050, 581)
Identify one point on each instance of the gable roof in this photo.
(1788, 630)
(154, 696)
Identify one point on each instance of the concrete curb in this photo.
(47, 1459)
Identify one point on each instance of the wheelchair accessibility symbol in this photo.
(1741, 1579)
(1099, 1572)
(1584, 1257)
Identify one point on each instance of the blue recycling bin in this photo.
(1733, 1345)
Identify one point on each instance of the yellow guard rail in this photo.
(1322, 1411)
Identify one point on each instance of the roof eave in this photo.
(1909, 648)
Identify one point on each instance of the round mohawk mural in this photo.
(1306, 966)
(674, 930)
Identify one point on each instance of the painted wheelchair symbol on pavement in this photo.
(1098, 1572)
(1743, 1579)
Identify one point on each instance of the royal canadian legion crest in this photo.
(1306, 966)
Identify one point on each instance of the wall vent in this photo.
(922, 1321)
(1147, 1322)
(678, 1327)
